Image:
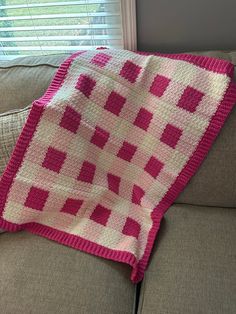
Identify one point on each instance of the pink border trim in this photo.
(191, 167)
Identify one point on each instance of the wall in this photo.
(186, 25)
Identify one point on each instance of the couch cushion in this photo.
(193, 266)
(40, 276)
(11, 124)
(215, 182)
(25, 79)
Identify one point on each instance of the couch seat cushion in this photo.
(40, 276)
(193, 267)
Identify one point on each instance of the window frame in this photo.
(129, 24)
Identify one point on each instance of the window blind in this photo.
(33, 27)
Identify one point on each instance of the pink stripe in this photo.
(190, 168)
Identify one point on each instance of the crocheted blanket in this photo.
(110, 145)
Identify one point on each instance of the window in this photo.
(33, 27)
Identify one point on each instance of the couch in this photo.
(193, 263)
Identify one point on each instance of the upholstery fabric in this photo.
(11, 124)
(107, 119)
(26, 79)
(40, 276)
(193, 265)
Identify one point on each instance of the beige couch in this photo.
(193, 265)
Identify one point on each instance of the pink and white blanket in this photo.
(110, 145)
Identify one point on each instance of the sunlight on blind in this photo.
(33, 27)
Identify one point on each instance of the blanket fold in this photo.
(109, 147)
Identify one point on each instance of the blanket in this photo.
(109, 147)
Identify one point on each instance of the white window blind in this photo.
(33, 27)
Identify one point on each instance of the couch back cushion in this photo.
(25, 79)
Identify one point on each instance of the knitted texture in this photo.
(110, 145)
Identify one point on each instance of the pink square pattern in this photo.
(36, 198)
(101, 59)
(85, 84)
(130, 71)
(113, 183)
(70, 120)
(131, 228)
(159, 85)
(87, 172)
(54, 159)
(101, 215)
(100, 137)
(190, 99)
(127, 151)
(143, 119)
(171, 135)
(153, 167)
(115, 103)
(137, 194)
(72, 206)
